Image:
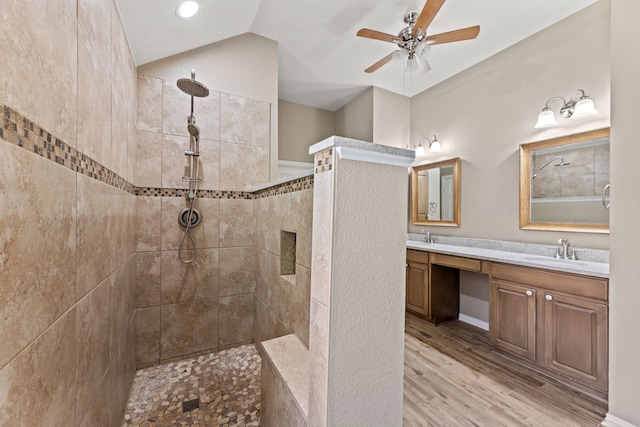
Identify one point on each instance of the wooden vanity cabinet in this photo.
(575, 338)
(558, 321)
(418, 288)
(512, 318)
(432, 291)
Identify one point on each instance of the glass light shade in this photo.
(399, 57)
(420, 151)
(412, 63)
(435, 146)
(187, 9)
(423, 51)
(546, 118)
(584, 108)
(423, 67)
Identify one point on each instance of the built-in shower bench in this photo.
(285, 382)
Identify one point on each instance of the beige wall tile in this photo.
(209, 166)
(205, 234)
(122, 335)
(265, 325)
(94, 101)
(267, 273)
(148, 223)
(188, 328)
(149, 104)
(92, 346)
(148, 270)
(189, 282)
(92, 239)
(38, 246)
(148, 171)
(118, 228)
(273, 214)
(244, 120)
(94, 18)
(243, 167)
(237, 271)
(261, 222)
(176, 107)
(302, 213)
(236, 222)
(147, 337)
(318, 362)
(321, 246)
(38, 389)
(299, 316)
(236, 319)
(43, 70)
(175, 164)
(99, 413)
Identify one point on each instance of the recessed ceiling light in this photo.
(187, 9)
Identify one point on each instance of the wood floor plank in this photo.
(453, 377)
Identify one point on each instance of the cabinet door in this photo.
(575, 339)
(418, 288)
(512, 318)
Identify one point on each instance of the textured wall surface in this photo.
(67, 214)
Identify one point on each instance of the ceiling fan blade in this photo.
(377, 35)
(454, 36)
(379, 64)
(429, 11)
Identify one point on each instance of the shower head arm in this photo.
(562, 163)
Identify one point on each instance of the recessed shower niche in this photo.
(288, 255)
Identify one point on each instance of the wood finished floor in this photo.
(453, 378)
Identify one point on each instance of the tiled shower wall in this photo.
(282, 301)
(67, 214)
(184, 310)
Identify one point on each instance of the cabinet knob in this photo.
(548, 297)
(529, 293)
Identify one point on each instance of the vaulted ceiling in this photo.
(321, 62)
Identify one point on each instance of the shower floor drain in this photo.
(190, 405)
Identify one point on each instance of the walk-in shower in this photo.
(190, 217)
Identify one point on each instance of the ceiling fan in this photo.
(413, 41)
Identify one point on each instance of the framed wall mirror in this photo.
(435, 193)
(564, 183)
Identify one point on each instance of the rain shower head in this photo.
(193, 87)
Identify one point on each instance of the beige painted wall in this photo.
(246, 65)
(355, 119)
(299, 127)
(391, 118)
(483, 114)
(624, 292)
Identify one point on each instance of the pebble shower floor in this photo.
(218, 389)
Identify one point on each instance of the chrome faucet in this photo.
(427, 237)
(566, 252)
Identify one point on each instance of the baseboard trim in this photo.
(612, 421)
(473, 321)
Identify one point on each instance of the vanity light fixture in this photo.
(187, 8)
(579, 109)
(433, 145)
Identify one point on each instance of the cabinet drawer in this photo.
(457, 262)
(583, 286)
(418, 256)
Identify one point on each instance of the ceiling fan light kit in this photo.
(413, 42)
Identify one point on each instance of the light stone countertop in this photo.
(588, 268)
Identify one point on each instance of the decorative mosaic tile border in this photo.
(182, 192)
(304, 183)
(22, 132)
(323, 160)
